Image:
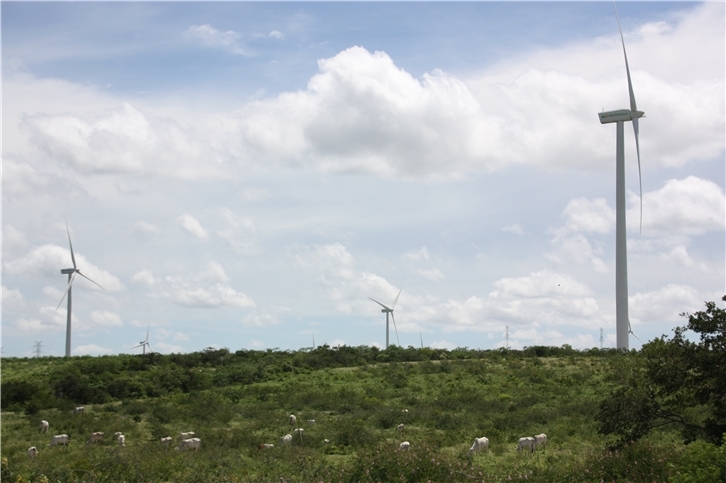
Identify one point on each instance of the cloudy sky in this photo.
(245, 175)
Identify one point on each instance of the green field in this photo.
(234, 401)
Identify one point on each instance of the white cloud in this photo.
(276, 35)
(105, 318)
(212, 296)
(13, 240)
(434, 274)
(192, 226)
(418, 254)
(443, 344)
(46, 261)
(514, 229)
(265, 317)
(211, 37)
(144, 277)
(12, 298)
(664, 305)
(690, 206)
(144, 231)
(589, 216)
(238, 231)
(577, 248)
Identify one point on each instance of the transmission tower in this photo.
(38, 350)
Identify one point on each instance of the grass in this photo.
(449, 402)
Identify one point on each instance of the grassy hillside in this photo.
(357, 396)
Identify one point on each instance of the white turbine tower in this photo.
(622, 322)
(144, 343)
(389, 310)
(71, 272)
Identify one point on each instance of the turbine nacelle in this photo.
(619, 115)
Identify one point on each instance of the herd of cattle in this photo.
(187, 441)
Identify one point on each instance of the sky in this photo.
(245, 175)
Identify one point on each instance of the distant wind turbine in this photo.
(622, 321)
(389, 310)
(144, 343)
(71, 272)
(421, 337)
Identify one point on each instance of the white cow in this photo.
(191, 443)
(400, 428)
(286, 440)
(96, 437)
(265, 446)
(292, 419)
(299, 431)
(404, 446)
(187, 435)
(79, 410)
(63, 439)
(166, 441)
(32, 452)
(116, 435)
(122, 440)
(44, 426)
(540, 440)
(311, 422)
(479, 444)
(526, 443)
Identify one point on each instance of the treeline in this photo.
(32, 384)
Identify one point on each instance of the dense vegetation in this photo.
(234, 401)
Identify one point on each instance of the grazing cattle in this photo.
(116, 435)
(191, 443)
(326, 441)
(122, 440)
(479, 444)
(32, 452)
(540, 440)
(183, 436)
(96, 437)
(400, 428)
(79, 410)
(404, 446)
(44, 426)
(287, 439)
(63, 439)
(404, 411)
(311, 422)
(265, 446)
(526, 443)
(293, 420)
(166, 441)
(298, 431)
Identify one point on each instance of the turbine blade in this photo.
(640, 181)
(134, 347)
(376, 301)
(394, 328)
(150, 349)
(73, 277)
(79, 273)
(148, 326)
(73, 258)
(633, 106)
(630, 330)
(396, 299)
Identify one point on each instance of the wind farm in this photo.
(299, 172)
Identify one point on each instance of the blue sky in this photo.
(245, 175)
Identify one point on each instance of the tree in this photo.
(672, 382)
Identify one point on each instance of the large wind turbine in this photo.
(389, 310)
(622, 322)
(71, 272)
(144, 343)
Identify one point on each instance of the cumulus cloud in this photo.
(104, 318)
(12, 298)
(663, 305)
(192, 226)
(238, 231)
(211, 37)
(45, 262)
(690, 206)
(144, 277)
(144, 231)
(434, 274)
(265, 317)
(207, 288)
(418, 254)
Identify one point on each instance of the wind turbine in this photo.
(622, 322)
(145, 343)
(71, 272)
(389, 310)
